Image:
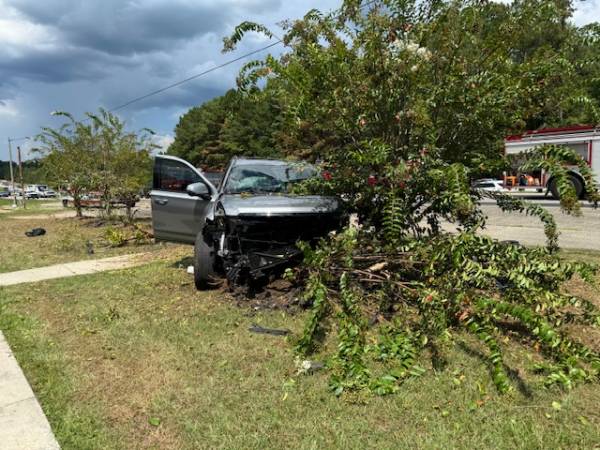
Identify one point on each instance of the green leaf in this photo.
(154, 421)
(556, 406)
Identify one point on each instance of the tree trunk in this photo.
(77, 204)
(107, 205)
(105, 200)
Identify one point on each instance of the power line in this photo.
(212, 69)
(198, 75)
(193, 77)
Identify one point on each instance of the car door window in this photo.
(173, 176)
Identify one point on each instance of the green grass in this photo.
(65, 241)
(31, 206)
(589, 256)
(107, 354)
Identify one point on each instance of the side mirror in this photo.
(198, 190)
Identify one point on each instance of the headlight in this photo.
(220, 217)
(220, 211)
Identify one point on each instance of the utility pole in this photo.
(12, 176)
(21, 175)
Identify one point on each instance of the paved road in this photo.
(575, 232)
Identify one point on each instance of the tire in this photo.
(204, 264)
(576, 182)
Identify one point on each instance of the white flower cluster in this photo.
(399, 46)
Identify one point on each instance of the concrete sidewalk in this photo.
(23, 425)
(71, 269)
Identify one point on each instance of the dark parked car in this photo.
(245, 228)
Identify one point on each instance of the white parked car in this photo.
(490, 185)
(39, 191)
(45, 191)
(31, 192)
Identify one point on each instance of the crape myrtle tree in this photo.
(404, 102)
(97, 154)
(69, 158)
(123, 157)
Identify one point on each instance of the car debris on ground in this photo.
(272, 331)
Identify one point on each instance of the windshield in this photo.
(266, 178)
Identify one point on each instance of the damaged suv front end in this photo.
(256, 222)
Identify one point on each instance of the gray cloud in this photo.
(90, 40)
(125, 27)
(60, 65)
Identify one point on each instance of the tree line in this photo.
(229, 125)
(32, 171)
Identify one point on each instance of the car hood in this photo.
(277, 205)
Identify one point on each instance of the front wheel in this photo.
(204, 264)
(577, 184)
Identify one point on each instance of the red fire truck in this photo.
(584, 139)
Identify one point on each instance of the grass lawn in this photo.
(65, 240)
(31, 205)
(139, 359)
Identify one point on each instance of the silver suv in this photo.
(248, 227)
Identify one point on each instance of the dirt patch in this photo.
(277, 294)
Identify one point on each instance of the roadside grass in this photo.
(8, 202)
(33, 206)
(581, 255)
(65, 241)
(139, 359)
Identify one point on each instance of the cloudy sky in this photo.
(77, 55)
